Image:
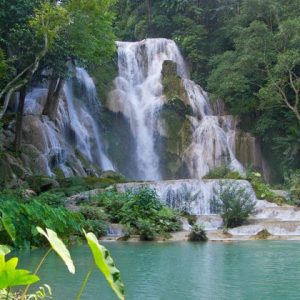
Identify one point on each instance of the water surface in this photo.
(183, 271)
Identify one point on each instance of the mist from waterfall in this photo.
(138, 95)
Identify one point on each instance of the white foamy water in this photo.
(138, 95)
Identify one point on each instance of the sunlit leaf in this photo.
(10, 276)
(59, 247)
(106, 265)
(4, 250)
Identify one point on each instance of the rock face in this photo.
(249, 152)
(175, 130)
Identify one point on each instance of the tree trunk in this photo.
(19, 119)
(22, 79)
(54, 93)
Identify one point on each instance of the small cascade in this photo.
(212, 143)
(74, 138)
(138, 95)
(190, 195)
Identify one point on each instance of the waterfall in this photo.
(82, 120)
(75, 135)
(138, 95)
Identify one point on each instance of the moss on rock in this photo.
(177, 133)
(173, 88)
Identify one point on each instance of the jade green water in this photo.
(183, 271)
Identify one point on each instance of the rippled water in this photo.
(184, 271)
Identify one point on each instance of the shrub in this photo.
(234, 203)
(263, 234)
(95, 219)
(262, 190)
(293, 184)
(147, 230)
(140, 210)
(222, 172)
(198, 234)
(93, 213)
(167, 220)
(99, 227)
(145, 204)
(112, 202)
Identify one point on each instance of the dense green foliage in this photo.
(25, 216)
(40, 41)
(78, 30)
(245, 52)
(141, 211)
(234, 203)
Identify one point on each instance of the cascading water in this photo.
(212, 143)
(75, 130)
(139, 96)
(82, 122)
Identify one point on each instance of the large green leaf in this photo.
(106, 265)
(10, 276)
(59, 247)
(8, 226)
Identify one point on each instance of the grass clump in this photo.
(263, 234)
(198, 234)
